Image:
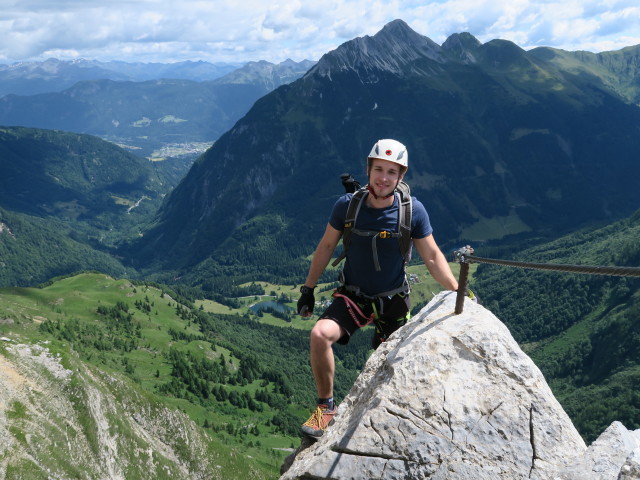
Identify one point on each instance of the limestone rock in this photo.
(615, 454)
(631, 468)
(454, 397)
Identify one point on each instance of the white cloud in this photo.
(229, 30)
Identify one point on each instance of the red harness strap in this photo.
(351, 306)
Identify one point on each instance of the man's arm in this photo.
(436, 262)
(322, 255)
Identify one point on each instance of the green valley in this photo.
(581, 330)
(241, 377)
(164, 350)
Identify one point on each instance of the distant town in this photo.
(179, 150)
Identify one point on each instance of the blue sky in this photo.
(240, 31)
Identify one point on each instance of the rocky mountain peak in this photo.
(266, 74)
(462, 46)
(454, 396)
(393, 49)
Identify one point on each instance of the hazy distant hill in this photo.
(46, 172)
(267, 74)
(53, 75)
(147, 115)
(501, 142)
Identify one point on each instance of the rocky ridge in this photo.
(453, 396)
(267, 75)
(391, 50)
(59, 416)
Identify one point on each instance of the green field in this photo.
(143, 333)
(73, 302)
(423, 290)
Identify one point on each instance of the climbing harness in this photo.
(383, 327)
(355, 311)
(404, 289)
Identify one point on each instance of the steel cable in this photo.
(465, 256)
(559, 267)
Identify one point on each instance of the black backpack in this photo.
(404, 231)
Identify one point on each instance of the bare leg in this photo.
(324, 334)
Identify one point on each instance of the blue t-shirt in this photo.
(359, 269)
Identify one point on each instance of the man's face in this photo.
(384, 176)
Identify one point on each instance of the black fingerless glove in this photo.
(306, 301)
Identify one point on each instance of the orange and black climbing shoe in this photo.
(319, 420)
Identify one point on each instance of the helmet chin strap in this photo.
(370, 189)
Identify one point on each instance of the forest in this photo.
(582, 330)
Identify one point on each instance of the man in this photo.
(374, 283)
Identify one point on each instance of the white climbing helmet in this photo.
(392, 150)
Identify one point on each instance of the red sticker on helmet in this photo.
(388, 152)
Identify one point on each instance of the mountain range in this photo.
(506, 146)
(266, 74)
(53, 75)
(503, 143)
(509, 151)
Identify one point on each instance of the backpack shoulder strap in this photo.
(404, 227)
(349, 221)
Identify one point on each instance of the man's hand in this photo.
(306, 301)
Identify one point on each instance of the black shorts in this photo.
(388, 314)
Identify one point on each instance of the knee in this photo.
(318, 336)
(325, 332)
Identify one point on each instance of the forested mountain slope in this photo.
(582, 330)
(67, 200)
(501, 142)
